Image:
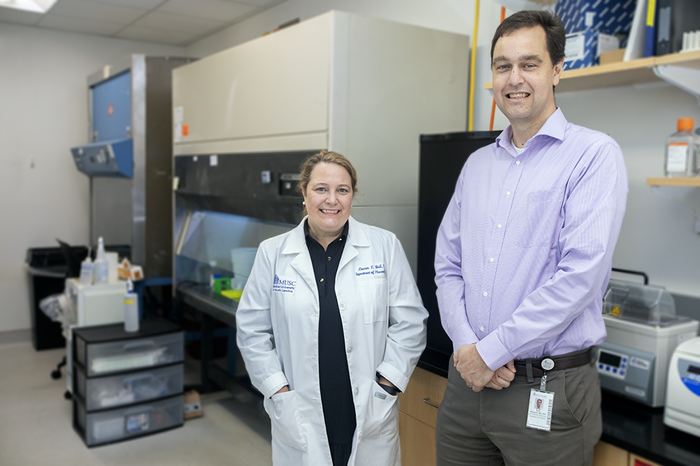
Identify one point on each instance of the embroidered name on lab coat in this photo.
(283, 286)
(375, 269)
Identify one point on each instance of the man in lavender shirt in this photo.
(523, 257)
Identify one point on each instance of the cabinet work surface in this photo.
(627, 425)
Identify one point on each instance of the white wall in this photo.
(658, 234)
(43, 112)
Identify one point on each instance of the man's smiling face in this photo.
(523, 77)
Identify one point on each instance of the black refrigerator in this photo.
(442, 157)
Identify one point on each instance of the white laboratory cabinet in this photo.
(367, 88)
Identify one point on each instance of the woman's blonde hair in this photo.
(324, 157)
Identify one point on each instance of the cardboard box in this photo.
(606, 16)
(612, 56)
(584, 48)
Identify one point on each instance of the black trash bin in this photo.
(47, 270)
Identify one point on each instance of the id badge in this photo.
(539, 412)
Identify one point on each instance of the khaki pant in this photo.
(488, 428)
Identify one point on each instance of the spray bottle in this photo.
(131, 308)
(100, 266)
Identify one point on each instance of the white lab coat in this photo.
(384, 323)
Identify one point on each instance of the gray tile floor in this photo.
(36, 425)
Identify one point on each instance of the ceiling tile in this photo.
(96, 11)
(156, 35)
(177, 23)
(141, 4)
(20, 17)
(217, 10)
(65, 23)
(266, 3)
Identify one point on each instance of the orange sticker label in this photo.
(678, 144)
(110, 110)
(185, 130)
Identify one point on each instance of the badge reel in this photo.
(539, 412)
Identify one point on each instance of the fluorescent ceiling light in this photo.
(36, 6)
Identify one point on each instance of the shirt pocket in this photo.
(374, 299)
(541, 221)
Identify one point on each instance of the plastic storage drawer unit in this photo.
(105, 350)
(127, 384)
(119, 424)
(125, 389)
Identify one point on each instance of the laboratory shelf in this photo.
(639, 71)
(692, 182)
(684, 189)
(202, 298)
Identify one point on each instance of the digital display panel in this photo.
(694, 369)
(609, 359)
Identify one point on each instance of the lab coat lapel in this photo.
(302, 261)
(356, 239)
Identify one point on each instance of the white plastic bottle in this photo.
(682, 150)
(131, 308)
(100, 266)
(86, 271)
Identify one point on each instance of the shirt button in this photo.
(481, 328)
(349, 349)
(517, 162)
(491, 260)
(329, 257)
(499, 225)
(321, 280)
(485, 293)
(507, 194)
(357, 391)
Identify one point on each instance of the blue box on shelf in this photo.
(607, 16)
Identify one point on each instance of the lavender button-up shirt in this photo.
(524, 251)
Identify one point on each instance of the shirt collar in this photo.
(343, 234)
(554, 127)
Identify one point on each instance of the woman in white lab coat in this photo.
(331, 326)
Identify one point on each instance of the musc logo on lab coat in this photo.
(283, 286)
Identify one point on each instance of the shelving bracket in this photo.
(687, 79)
(687, 194)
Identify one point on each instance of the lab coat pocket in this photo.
(374, 299)
(542, 219)
(283, 410)
(382, 413)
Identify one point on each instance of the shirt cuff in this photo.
(493, 352)
(463, 335)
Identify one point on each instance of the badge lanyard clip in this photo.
(547, 365)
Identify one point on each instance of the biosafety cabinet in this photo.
(245, 118)
(128, 158)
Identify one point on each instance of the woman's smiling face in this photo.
(328, 199)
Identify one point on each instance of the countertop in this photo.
(626, 424)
